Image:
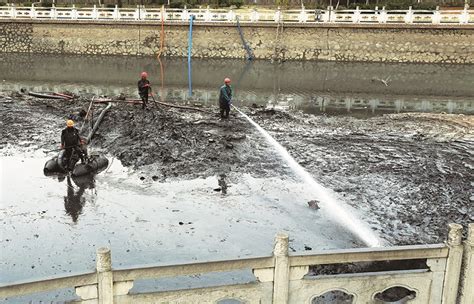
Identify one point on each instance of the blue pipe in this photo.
(250, 55)
(190, 46)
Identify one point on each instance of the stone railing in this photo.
(443, 276)
(329, 15)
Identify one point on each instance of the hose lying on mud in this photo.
(181, 107)
(137, 101)
(96, 126)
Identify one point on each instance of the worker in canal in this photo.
(71, 141)
(144, 89)
(225, 98)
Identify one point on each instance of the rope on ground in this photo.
(88, 113)
(182, 107)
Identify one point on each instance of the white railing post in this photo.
(207, 14)
(13, 11)
(328, 14)
(409, 16)
(356, 15)
(33, 11)
(254, 15)
(383, 16)
(467, 276)
(230, 15)
(436, 18)
(303, 16)
(73, 12)
(453, 264)
(464, 17)
(95, 15)
(116, 13)
(282, 270)
(53, 13)
(185, 14)
(143, 10)
(104, 276)
(277, 16)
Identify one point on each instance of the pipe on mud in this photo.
(96, 126)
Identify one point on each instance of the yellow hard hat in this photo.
(70, 123)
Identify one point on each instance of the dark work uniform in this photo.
(71, 142)
(143, 91)
(225, 97)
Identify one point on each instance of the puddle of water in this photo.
(57, 227)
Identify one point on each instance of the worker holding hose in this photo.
(225, 98)
(144, 89)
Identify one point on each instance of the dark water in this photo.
(315, 87)
(52, 225)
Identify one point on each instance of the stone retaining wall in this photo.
(341, 42)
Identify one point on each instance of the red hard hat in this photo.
(227, 80)
(144, 74)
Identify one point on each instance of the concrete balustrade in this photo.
(329, 15)
(283, 277)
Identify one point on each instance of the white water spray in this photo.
(337, 211)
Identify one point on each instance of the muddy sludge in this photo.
(409, 173)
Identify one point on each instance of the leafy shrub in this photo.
(177, 4)
(454, 4)
(237, 3)
(425, 6)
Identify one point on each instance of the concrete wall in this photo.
(340, 42)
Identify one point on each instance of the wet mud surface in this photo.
(408, 174)
(411, 173)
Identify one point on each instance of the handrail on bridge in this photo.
(309, 16)
(445, 270)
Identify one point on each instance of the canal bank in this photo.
(435, 43)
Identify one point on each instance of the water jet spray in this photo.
(330, 204)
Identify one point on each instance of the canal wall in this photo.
(335, 42)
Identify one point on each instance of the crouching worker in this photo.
(72, 142)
